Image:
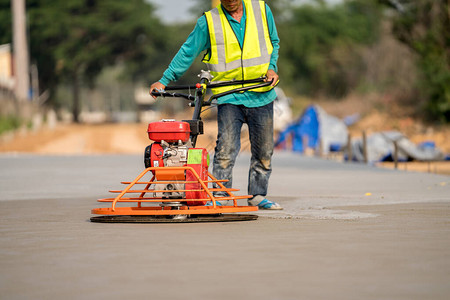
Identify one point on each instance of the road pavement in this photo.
(348, 231)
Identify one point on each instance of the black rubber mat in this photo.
(170, 219)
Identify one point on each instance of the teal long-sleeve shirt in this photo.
(198, 41)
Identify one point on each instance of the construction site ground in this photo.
(347, 231)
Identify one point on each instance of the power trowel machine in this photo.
(176, 185)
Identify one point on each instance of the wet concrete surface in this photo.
(347, 232)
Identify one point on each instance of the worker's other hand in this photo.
(157, 86)
(272, 76)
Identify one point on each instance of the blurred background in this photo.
(74, 75)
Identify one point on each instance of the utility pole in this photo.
(214, 3)
(20, 46)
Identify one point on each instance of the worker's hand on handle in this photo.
(272, 76)
(157, 86)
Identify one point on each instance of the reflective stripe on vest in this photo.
(227, 60)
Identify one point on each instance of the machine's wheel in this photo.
(169, 219)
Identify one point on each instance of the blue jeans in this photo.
(260, 125)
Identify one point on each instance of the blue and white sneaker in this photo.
(263, 203)
(221, 203)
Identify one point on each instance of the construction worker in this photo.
(241, 33)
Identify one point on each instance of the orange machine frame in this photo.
(184, 209)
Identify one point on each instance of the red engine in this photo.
(169, 131)
(173, 148)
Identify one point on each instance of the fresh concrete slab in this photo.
(347, 232)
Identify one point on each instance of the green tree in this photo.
(5, 22)
(319, 45)
(424, 26)
(72, 41)
(200, 7)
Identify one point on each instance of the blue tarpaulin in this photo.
(380, 147)
(315, 128)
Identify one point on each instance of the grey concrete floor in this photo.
(347, 232)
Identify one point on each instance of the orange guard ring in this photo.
(186, 206)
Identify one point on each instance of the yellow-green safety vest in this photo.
(226, 59)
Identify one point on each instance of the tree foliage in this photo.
(72, 41)
(200, 7)
(424, 26)
(323, 46)
(319, 45)
(5, 22)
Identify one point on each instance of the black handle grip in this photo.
(167, 94)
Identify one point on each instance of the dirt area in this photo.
(79, 139)
(131, 138)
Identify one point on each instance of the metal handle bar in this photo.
(236, 82)
(242, 89)
(167, 94)
(221, 84)
(214, 85)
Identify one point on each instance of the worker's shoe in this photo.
(263, 203)
(221, 203)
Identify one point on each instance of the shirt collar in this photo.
(231, 19)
